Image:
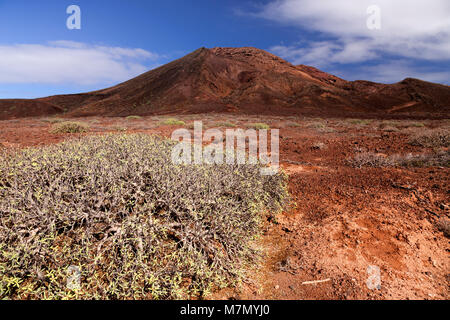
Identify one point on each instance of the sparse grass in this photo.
(316, 125)
(416, 125)
(362, 122)
(320, 126)
(388, 124)
(119, 128)
(326, 130)
(69, 127)
(133, 117)
(390, 129)
(294, 124)
(225, 124)
(433, 138)
(52, 120)
(258, 126)
(172, 122)
(135, 224)
(370, 159)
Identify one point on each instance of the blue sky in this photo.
(40, 56)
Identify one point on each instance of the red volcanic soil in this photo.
(245, 81)
(342, 220)
(20, 108)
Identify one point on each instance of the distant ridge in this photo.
(243, 80)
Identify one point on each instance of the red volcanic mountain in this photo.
(242, 80)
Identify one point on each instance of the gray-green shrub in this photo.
(137, 225)
(69, 127)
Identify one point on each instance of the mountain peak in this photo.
(245, 80)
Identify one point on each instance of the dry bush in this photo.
(133, 117)
(385, 124)
(415, 125)
(326, 130)
(137, 225)
(320, 127)
(370, 159)
(225, 124)
(69, 127)
(172, 122)
(362, 122)
(316, 125)
(431, 138)
(390, 129)
(258, 126)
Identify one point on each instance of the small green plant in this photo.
(259, 126)
(362, 122)
(69, 127)
(416, 125)
(172, 122)
(225, 124)
(134, 117)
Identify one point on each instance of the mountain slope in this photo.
(250, 80)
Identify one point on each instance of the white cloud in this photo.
(67, 62)
(395, 71)
(400, 18)
(323, 53)
(413, 29)
(391, 72)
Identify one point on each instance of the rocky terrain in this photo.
(243, 81)
(363, 194)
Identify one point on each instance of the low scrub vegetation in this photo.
(259, 126)
(362, 122)
(370, 159)
(431, 138)
(388, 128)
(134, 117)
(135, 224)
(316, 125)
(69, 127)
(225, 124)
(172, 122)
(294, 124)
(415, 125)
